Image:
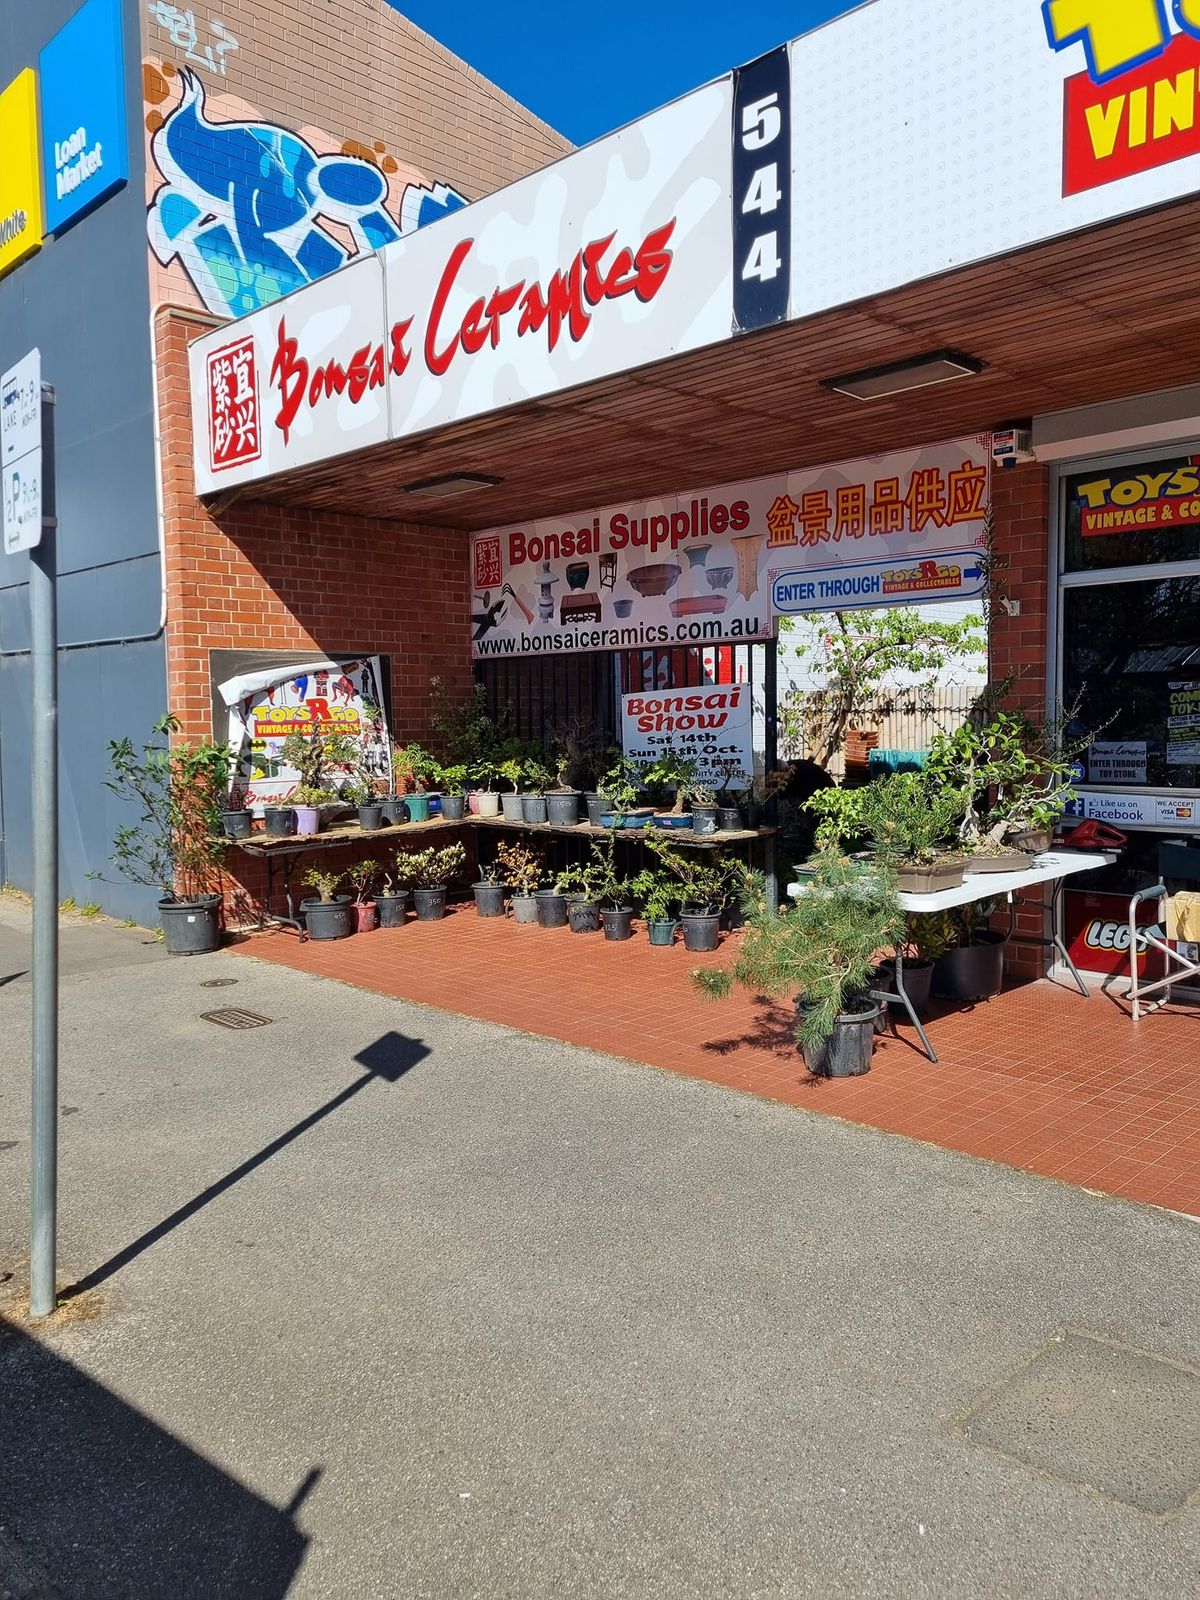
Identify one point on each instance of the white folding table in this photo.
(1053, 867)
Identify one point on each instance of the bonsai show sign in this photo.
(706, 725)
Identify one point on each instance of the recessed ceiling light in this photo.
(876, 383)
(449, 484)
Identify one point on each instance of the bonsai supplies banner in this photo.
(708, 724)
(307, 697)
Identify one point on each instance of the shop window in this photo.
(1135, 515)
(1131, 659)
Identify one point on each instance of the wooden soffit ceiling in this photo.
(1111, 312)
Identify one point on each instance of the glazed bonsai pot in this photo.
(489, 898)
(395, 810)
(280, 820)
(524, 908)
(918, 983)
(847, 1051)
(430, 904)
(328, 919)
(417, 806)
(488, 803)
(973, 971)
(533, 808)
(705, 819)
(946, 873)
(510, 806)
(454, 807)
(1004, 861)
(701, 930)
(661, 933)
(618, 923)
(628, 819)
(673, 819)
(551, 908)
(190, 927)
(729, 819)
(391, 908)
(237, 824)
(366, 916)
(583, 916)
(308, 820)
(563, 808)
(370, 817)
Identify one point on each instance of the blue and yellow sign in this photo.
(21, 228)
(85, 144)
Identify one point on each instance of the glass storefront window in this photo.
(1141, 514)
(1131, 658)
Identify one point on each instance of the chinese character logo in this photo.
(233, 421)
(488, 571)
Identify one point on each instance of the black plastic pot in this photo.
(729, 819)
(391, 909)
(847, 1051)
(756, 814)
(552, 908)
(510, 807)
(328, 919)
(662, 934)
(618, 923)
(701, 930)
(454, 807)
(597, 807)
(429, 904)
(280, 820)
(190, 927)
(704, 819)
(971, 971)
(533, 808)
(394, 810)
(918, 980)
(583, 916)
(370, 817)
(562, 808)
(237, 824)
(489, 898)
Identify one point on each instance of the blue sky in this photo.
(586, 77)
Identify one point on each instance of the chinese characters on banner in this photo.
(719, 564)
(233, 405)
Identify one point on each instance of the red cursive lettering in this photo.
(290, 371)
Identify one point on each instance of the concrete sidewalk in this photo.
(383, 1302)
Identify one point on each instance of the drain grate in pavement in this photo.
(1103, 1416)
(234, 1017)
(218, 983)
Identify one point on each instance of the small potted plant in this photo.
(367, 804)
(732, 776)
(361, 878)
(562, 801)
(430, 873)
(413, 769)
(705, 816)
(512, 771)
(280, 821)
(523, 870)
(176, 846)
(327, 915)
(485, 802)
(392, 899)
(490, 890)
(613, 893)
(704, 888)
(237, 819)
(621, 790)
(454, 791)
(533, 801)
(311, 756)
(822, 952)
(966, 951)
(581, 885)
(657, 892)
(670, 777)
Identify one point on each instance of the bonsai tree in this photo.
(823, 951)
(584, 882)
(484, 773)
(453, 780)
(732, 775)
(671, 773)
(1009, 775)
(581, 752)
(512, 770)
(431, 868)
(178, 791)
(907, 817)
(361, 878)
(464, 727)
(702, 794)
(412, 768)
(357, 794)
(325, 883)
(621, 785)
(538, 776)
(522, 867)
(657, 892)
(706, 881)
(841, 815)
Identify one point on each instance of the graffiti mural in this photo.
(251, 210)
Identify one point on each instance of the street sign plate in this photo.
(21, 453)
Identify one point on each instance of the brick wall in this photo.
(1018, 644)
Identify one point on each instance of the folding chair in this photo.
(1157, 937)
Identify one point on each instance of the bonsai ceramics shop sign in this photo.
(708, 724)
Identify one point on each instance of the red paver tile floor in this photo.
(1039, 1078)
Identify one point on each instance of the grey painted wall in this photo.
(84, 299)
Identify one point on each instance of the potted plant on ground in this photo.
(966, 952)
(523, 870)
(512, 770)
(361, 877)
(327, 915)
(612, 891)
(485, 802)
(176, 845)
(581, 886)
(490, 890)
(392, 899)
(533, 801)
(430, 873)
(657, 892)
(822, 952)
(705, 883)
(732, 776)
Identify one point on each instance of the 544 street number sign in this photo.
(762, 191)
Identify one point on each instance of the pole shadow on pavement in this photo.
(386, 1060)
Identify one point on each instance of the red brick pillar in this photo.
(1019, 637)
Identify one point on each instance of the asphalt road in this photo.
(382, 1302)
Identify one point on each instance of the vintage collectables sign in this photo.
(708, 724)
(718, 564)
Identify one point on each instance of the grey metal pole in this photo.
(43, 632)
